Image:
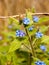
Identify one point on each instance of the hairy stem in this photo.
(29, 39)
(32, 48)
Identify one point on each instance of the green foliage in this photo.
(44, 28)
(45, 39)
(44, 19)
(14, 45)
(24, 50)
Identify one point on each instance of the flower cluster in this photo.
(20, 33)
(26, 21)
(39, 35)
(35, 19)
(40, 63)
(42, 47)
(31, 28)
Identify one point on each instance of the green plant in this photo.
(25, 41)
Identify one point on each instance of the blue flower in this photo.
(39, 35)
(40, 63)
(31, 28)
(42, 47)
(26, 21)
(20, 33)
(35, 19)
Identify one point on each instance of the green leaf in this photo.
(29, 15)
(46, 61)
(32, 32)
(14, 58)
(43, 19)
(4, 48)
(33, 10)
(43, 28)
(15, 23)
(11, 20)
(2, 59)
(7, 34)
(14, 45)
(9, 56)
(45, 39)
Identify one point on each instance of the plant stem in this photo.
(32, 48)
(34, 41)
(26, 47)
(29, 59)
